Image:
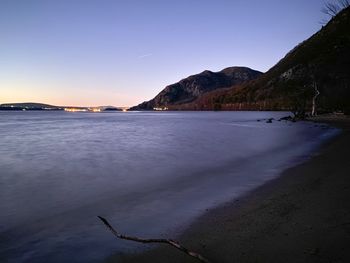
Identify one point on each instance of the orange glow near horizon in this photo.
(17, 95)
(23, 89)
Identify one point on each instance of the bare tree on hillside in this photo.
(332, 8)
(317, 92)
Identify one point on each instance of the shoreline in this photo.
(301, 216)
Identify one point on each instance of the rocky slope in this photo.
(191, 88)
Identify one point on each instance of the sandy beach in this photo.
(302, 216)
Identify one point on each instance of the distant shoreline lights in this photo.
(75, 110)
(68, 109)
(82, 110)
(160, 108)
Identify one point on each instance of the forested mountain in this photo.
(321, 64)
(193, 87)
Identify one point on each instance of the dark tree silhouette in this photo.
(332, 8)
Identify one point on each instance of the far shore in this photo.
(301, 216)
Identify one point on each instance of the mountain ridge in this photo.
(190, 88)
(321, 62)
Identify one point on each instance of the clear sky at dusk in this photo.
(111, 52)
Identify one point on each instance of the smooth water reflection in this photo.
(148, 173)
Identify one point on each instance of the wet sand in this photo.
(302, 216)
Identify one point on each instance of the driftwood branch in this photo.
(154, 240)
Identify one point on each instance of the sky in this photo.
(123, 52)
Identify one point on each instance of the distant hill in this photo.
(29, 106)
(322, 62)
(41, 106)
(192, 87)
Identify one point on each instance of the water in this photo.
(150, 174)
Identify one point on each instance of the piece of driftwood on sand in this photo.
(154, 240)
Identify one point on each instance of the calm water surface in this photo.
(150, 174)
